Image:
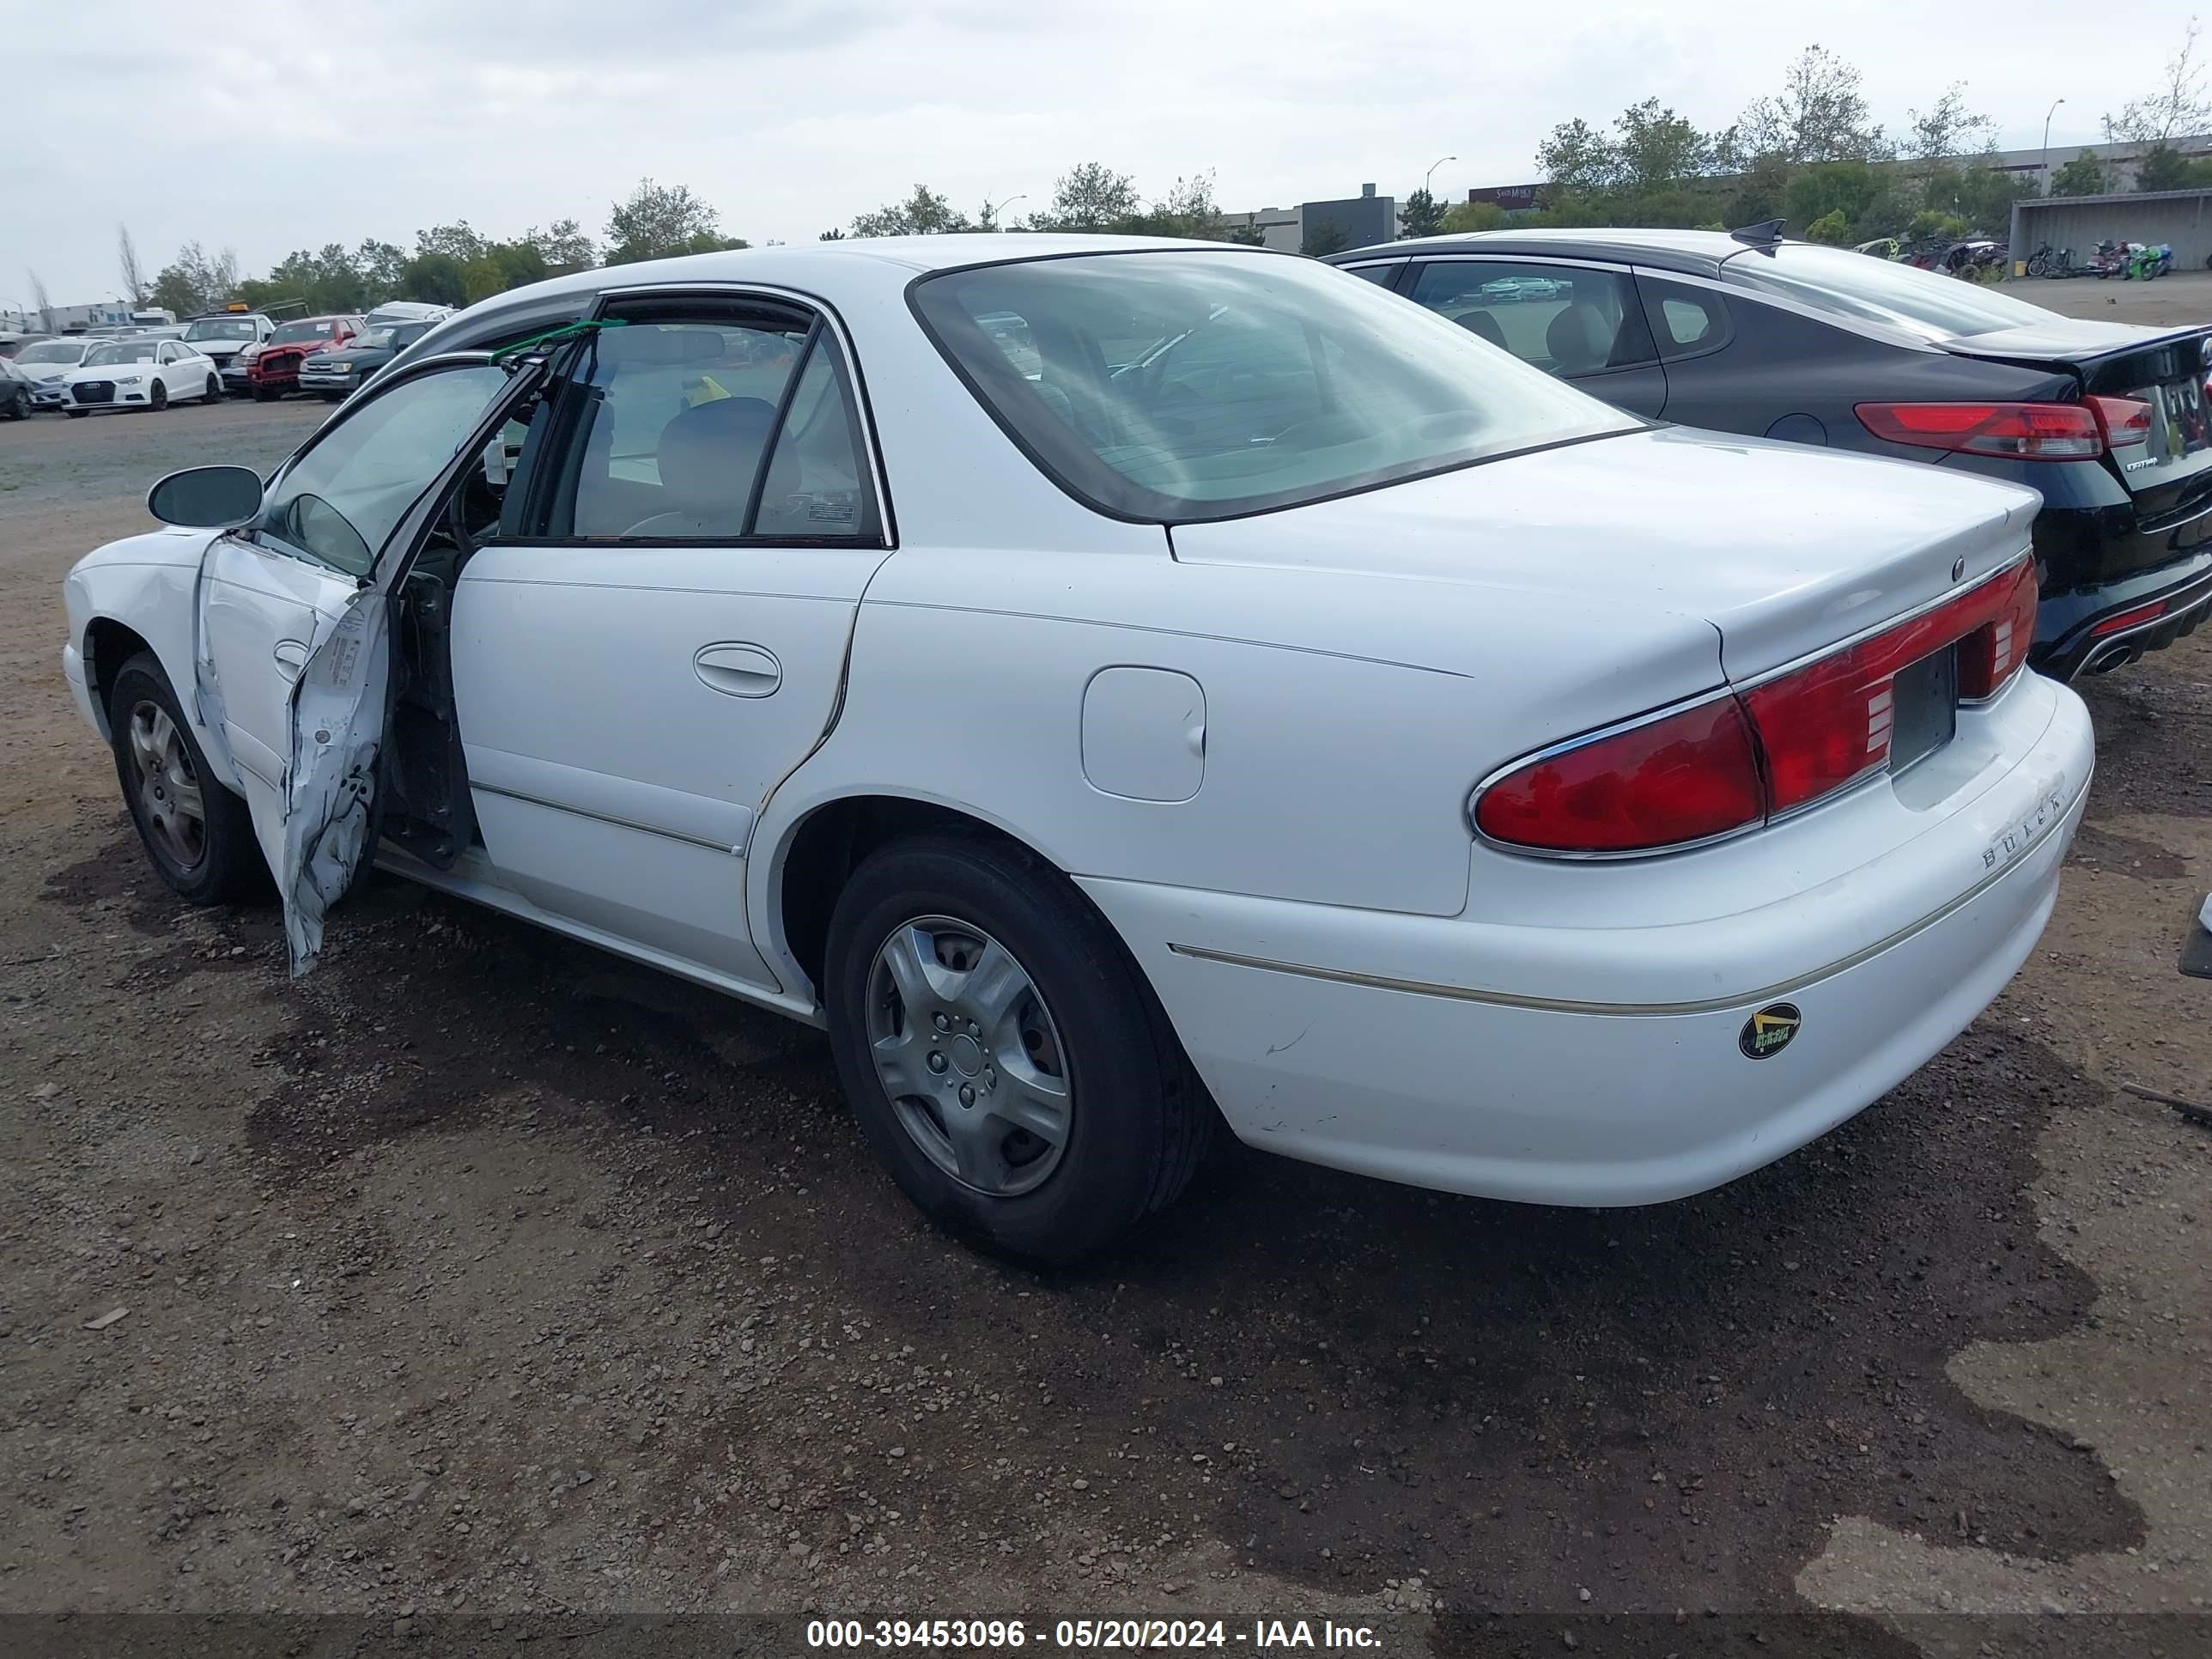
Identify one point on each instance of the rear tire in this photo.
(164, 774)
(1081, 1025)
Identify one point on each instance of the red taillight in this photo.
(2122, 420)
(1993, 652)
(2030, 432)
(1740, 759)
(2141, 613)
(1682, 778)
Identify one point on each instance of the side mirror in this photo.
(207, 497)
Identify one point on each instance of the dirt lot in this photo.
(484, 1285)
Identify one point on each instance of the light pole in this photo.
(992, 213)
(2047, 114)
(1431, 173)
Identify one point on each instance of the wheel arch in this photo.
(107, 646)
(818, 853)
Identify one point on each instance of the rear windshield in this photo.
(1177, 386)
(1922, 302)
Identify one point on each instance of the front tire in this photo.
(263, 394)
(158, 399)
(1006, 1059)
(198, 834)
(214, 390)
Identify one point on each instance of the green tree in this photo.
(1832, 228)
(2177, 105)
(1655, 148)
(1089, 197)
(2083, 176)
(1950, 128)
(1421, 216)
(831, 236)
(458, 240)
(1845, 187)
(1819, 115)
(194, 283)
(924, 213)
(660, 221)
(1577, 159)
(1187, 210)
(1465, 217)
(561, 246)
(1324, 236)
(437, 279)
(383, 269)
(2165, 168)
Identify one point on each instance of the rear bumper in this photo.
(1602, 1065)
(2092, 630)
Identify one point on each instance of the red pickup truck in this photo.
(275, 369)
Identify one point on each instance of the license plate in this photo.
(1924, 708)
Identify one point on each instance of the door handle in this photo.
(291, 656)
(738, 671)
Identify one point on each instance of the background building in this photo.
(1360, 220)
(99, 314)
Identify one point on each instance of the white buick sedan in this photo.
(1107, 682)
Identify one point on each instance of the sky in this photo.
(267, 125)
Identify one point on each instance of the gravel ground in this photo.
(482, 1274)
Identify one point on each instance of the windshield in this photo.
(291, 333)
(220, 328)
(123, 351)
(1922, 302)
(52, 351)
(1180, 386)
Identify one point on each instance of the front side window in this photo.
(1901, 296)
(690, 429)
(1565, 319)
(342, 499)
(1175, 387)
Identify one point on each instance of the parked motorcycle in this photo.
(2049, 261)
(2149, 260)
(2110, 259)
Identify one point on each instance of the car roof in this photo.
(1698, 252)
(842, 270)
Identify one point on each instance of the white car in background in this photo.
(1107, 681)
(140, 373)
(44, 362)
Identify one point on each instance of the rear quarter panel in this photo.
(1347, 718)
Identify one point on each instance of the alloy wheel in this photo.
(970, 1056)
(166, 787)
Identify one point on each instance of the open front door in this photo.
(295, 659)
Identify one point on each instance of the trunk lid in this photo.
(1785, 550)
(2169, 472)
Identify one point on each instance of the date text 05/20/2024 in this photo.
(990, 1635)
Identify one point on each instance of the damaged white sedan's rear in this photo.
(1106, 683)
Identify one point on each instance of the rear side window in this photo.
(1685, 321)
(703, 428)
(1564, 319)
(1175, 387)
(1926, 303)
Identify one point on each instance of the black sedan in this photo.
(1745, 331)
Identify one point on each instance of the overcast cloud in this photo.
(267, 125)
